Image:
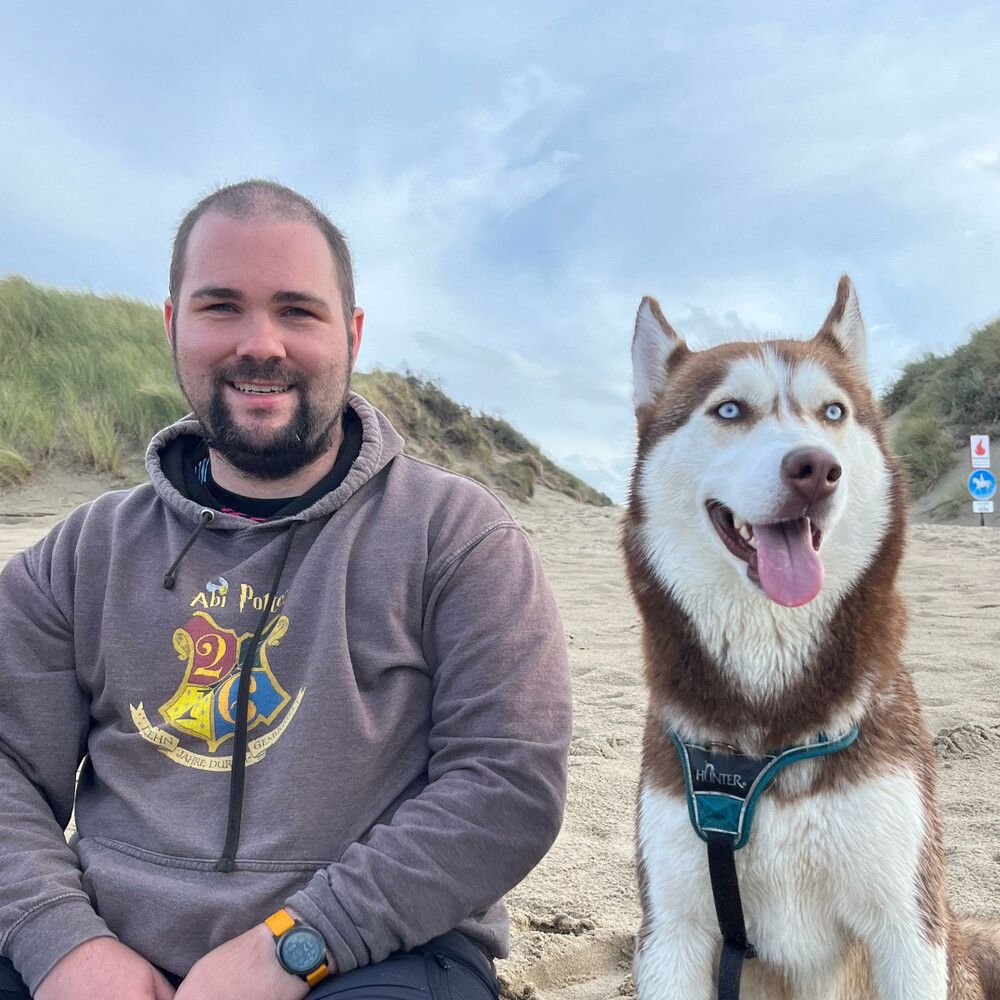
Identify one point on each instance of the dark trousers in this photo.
(450, 967)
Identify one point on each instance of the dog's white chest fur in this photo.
(817, 875)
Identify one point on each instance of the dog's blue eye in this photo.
(835, 412)
(729, 410)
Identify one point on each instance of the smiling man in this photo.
(319, 688)
(268, 343)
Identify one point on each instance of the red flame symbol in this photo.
(980, 450)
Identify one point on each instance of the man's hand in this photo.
(103, 969)
(245, 968)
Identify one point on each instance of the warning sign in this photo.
(979, 450)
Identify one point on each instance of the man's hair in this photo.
(253, 199)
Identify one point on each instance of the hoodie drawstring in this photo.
(205, 518)
(238, 774)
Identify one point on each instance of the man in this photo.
(321, 687)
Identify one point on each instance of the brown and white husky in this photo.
(762, 539)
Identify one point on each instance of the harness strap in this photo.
(729, 912)
(723, 788)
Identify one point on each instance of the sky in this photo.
(513, 178)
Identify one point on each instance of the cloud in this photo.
(606, 468)
(497, 162)
(458, 354)
(984, 158)
(513, 180)
(705, 327)
(70, 197)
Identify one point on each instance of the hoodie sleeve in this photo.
(499, 739)
(44, 910)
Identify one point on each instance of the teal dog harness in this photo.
(723, 788)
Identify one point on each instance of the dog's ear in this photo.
(653, 345)
(845, 326)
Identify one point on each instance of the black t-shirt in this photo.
(185, 462)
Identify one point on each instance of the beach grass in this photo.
(479, 445)
(925, 449)
(941, 400)
(88, 379)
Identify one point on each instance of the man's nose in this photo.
(262, 338)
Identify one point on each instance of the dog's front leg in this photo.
(904, 964)
(902, 928)
(675, 963)
(678, 945)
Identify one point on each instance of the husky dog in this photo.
(763, 535)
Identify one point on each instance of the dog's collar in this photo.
(723, 788)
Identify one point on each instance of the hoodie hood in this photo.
(380, 444)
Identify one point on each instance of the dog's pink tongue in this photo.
(790, 569)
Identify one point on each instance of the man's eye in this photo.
(219, 307)
(299, 313)
(729, 410)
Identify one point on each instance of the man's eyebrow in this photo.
(290, 298)
(216, 292)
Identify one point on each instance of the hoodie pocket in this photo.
(174, 913)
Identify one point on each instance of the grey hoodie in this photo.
(408, 723)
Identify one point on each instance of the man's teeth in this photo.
(246, 387)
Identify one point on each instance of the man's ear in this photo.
(354, 332)
(653, 345)
(168, 316)
(845, 326)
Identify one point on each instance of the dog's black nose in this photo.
(812, 472)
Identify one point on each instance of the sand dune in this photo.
(575, 915)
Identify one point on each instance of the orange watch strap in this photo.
(279, 922)
(318, 975)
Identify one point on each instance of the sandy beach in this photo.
(576, 914)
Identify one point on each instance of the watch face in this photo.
(301, 950)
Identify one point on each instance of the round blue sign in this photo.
(982, 484)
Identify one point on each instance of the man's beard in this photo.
(302, 440)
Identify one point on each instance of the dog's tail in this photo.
(982, 939)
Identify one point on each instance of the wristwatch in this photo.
(300, 948)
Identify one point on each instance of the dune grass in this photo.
(479, 445)
(14, 468)
(943, 399)
(88, 379)
(85, 378)
(925, 450)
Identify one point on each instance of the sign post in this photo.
(979, 456)
(982, 483)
